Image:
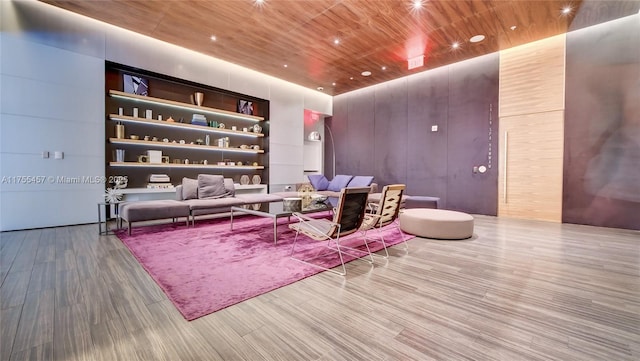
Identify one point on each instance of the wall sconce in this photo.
(314, 136)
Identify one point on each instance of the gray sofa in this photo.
(213, 194)
(207, 195)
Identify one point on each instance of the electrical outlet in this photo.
(58, 154)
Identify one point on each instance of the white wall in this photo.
(52, 99)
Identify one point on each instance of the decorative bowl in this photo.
(319, 198)
(134, 137)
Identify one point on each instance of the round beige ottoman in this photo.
(436, 223)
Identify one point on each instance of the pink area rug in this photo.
(208, 267)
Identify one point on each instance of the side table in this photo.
(107, 206)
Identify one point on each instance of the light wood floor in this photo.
(519, 290)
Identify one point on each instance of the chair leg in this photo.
(384, 244)
(397, 225)
(367, 252)
(344, 269)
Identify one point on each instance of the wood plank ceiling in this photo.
(372, 34)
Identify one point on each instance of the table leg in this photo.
(99, 221)
(232, 219)
(275, 230)
(107, 215)
(117, 214)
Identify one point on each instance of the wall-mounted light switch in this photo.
(434, 128)
(45, 155)
(58, 154)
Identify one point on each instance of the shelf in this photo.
(171, 103)
(174, 165)
(238, 186)
(150, 143)
(164, 123)
(147, 190)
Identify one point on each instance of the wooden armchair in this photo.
(347, 219)
(384, 213)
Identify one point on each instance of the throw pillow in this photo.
(211, 186)
(318, 181)
(189, 188)
(338, 182)
(360, 181)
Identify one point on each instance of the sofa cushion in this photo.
(213, 203)
(318, 181)
(211, 186)
(338, 182)
(156, 209)
(360, 181)
(259, 198)
(189, 188)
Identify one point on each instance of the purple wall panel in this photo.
(360, 155)
(390, 125)
(404, 148)
(339, 129)
(473, 87)
(428, 105)
(602, 126)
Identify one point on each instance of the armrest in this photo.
(369, 221)
(179, 193)
(312, 223)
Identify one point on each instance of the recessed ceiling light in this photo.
(351, 78)
(476, 38)
(383, 68)
(455, 45)
(213, 38)
(334, 84)
(416, 4)
(286, 66)
(336, 41)
(365, 73)
(320, 88)
(513, 27)
(258, 2)
(566, 10)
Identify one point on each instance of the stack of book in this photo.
(159, 181)
(199, 119)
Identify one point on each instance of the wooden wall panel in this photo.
(532, 77)
(531, 160)
(532, 114)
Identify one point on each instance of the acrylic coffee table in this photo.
(276, 210)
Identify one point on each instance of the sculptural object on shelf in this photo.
(197, 98)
